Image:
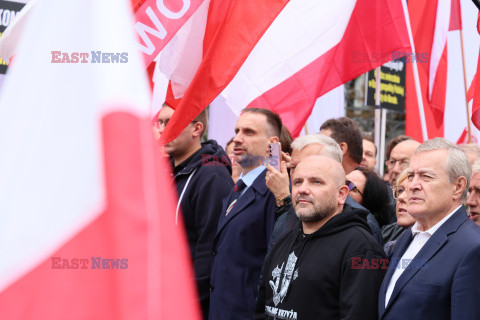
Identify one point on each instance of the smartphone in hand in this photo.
(275, 152)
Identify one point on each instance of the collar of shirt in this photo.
(250, 177)
(431, 231)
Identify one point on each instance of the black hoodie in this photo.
(204, 179)
(333, 273)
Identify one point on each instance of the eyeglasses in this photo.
(161, 122)
(397, 191)
(352, 186)
(403, 163)
(164, 123)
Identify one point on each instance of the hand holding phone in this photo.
(275, 155)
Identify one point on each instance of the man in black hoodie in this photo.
(331, 267)
(202, 173)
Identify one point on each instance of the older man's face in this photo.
(473, 200)
(430, 193)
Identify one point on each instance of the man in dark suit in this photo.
(433, 269)
(246, 222)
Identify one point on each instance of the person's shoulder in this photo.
(358, 239)
(469, 233)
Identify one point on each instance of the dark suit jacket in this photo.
(239, 250)
(442, 281)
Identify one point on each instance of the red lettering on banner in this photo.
(158, 21)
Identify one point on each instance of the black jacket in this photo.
(209, 171)
(287, 221)
(333, 273)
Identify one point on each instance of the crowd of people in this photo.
(325, 237)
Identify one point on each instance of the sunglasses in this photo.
(352, 186)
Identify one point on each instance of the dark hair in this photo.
(274, 122)
(369, 137)
(203, 118)
(286, 140)
(376, 196)
(393, 143)
(229, 141)
(346, 130)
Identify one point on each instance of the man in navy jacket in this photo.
(433, 269)
(245, 224)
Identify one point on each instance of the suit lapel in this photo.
(400, 248)
(435, 243)
(243, 201)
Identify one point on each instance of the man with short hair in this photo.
(202, 176)
(246, 222)
(278, 183)
(388, 150)
(400, 157)
(432, 271)
(473, 199)
(330, 267)
(369, 159)
(347, 134)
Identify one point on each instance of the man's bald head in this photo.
(332, 169)
(318, 191)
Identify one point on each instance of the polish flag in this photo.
(431, 21)
(87, 212)
(475, 89)
(312, 47)
(232, 29)
(157, 21)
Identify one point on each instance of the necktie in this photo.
(237, 191)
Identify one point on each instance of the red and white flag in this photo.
(475, 89)
(430, 21)
(87, 214)
(233, 27)
(311, 47)
(158, 21)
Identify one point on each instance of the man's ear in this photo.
(197, 129)
(273, 139)
(342, 194)
(344, 147)
(458, 186)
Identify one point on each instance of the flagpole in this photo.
(379, 129)
(415, 74)
(469, 128)
(306, 128)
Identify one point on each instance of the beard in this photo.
(247, 160)
(318, 212)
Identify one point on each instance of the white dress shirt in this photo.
(419, 240)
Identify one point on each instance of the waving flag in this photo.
(232, 30)
(87, 226)
(431, 21)
(311, 47)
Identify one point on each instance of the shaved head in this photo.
(331, 167)
(318, 191)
